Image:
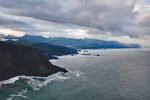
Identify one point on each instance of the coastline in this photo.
(19, 60)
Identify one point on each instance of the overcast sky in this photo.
(127, 21)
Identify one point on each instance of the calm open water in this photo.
(115, 75)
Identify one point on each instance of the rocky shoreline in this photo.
(18, 60)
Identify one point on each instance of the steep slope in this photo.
(48, 49)
(21, 60)
(53, 50)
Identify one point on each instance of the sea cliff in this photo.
(18, 60)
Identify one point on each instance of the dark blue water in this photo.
(115, 75)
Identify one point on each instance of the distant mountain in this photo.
(53, 49)
(7, 37)
(90, 43)
(47, 49)
(10, 37)
(77, 43)
(18, 60)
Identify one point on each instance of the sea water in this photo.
(118, 74)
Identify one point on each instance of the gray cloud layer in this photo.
(110, 15)
(114, 16)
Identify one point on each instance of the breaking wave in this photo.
(77, 73)
(19, 94)
(35, 83)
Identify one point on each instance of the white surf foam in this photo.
(10, 81)
(36, 84)
(77, 73)
(19, 94)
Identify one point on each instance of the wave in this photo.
(10, 81)
(19, 94)
(77, 73)
(37, 81)
(34, 82)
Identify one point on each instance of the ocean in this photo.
(117, 74)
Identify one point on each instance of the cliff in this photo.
(47, 49)
(21, 60)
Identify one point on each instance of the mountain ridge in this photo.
(77, 43)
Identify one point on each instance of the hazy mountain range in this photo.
(73, 43)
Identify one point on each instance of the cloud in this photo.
(142, 23)
(122, 19)
(108, 15)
